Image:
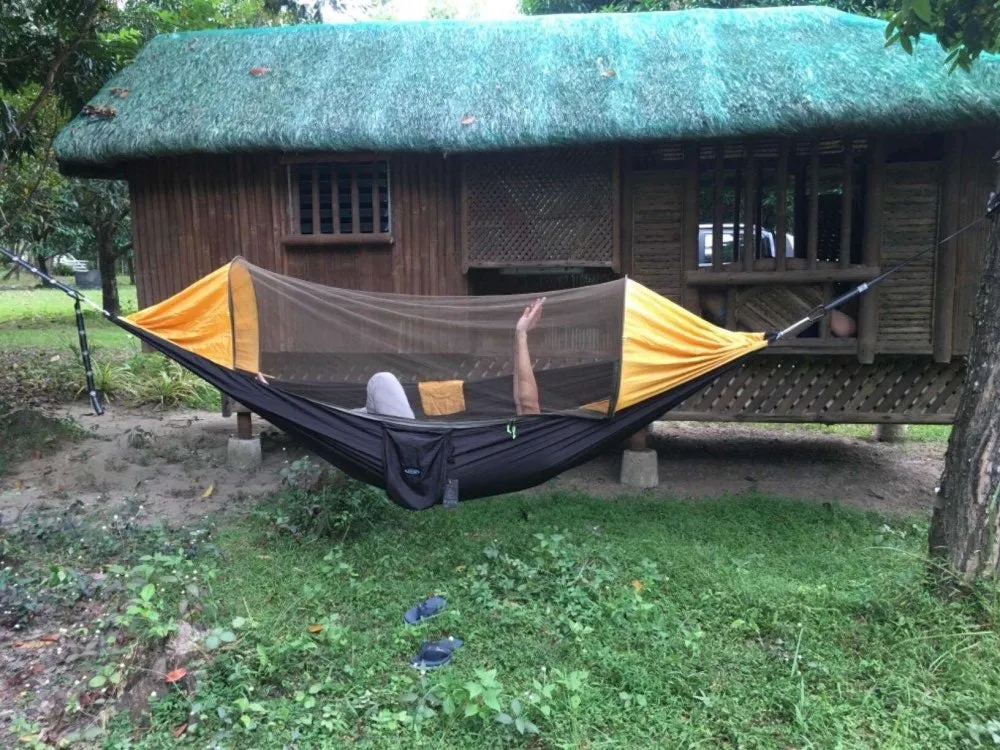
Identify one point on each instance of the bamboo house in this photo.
(745, 163)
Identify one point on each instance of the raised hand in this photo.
(531, 315)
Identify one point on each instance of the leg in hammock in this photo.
(525, 387)
(386, 397)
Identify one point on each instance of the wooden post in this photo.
(847, 204)
(737, 195)
(813, 242)
(781, 193)
(616, 210)
(244, 425)
(376, 209)
(872, 252)
(731, 308)
(824, 323)
(718, 186)
(801, 229)
(944, 297)
(639, 441)
(627, 265)
(689, 236)
(749, 231)
(355, 201)
(315, 199)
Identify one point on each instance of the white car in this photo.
(767, 247)
(68, 261)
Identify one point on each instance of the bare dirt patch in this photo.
(704, 461)
(174, 465)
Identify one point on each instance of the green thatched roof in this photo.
(458, 86)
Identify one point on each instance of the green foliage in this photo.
(874, 8)
(965, 28)
(747, 622)
(322, 502)
(25, 432)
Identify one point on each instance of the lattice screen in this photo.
(830, 389)
(539, 208)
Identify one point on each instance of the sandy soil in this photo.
(173, 464)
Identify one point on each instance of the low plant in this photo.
(318, 502)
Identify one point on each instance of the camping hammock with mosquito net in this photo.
(608, 359)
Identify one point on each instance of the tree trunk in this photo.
(130, 267)
(964, 534)
(109, 281)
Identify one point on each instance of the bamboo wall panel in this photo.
(545, 207)
(657, 230)
(427, 252)
(831, 390)
(909, 226)
(978, 177)
(191, 216)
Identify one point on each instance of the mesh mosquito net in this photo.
(592, 351)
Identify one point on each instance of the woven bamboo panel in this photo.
(657, 244)
(906, 300)
(553, 206)
(829, 390)
(768, 308)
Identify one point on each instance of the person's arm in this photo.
(525, 387)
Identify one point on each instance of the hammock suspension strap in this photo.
(81, 329)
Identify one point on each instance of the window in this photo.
(339, 202)
(820, 187)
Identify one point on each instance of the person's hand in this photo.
(531, 315)
(261, 379)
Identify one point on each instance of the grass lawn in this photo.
(919, 433)
(44, 318)
(748, 622)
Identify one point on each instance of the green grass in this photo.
(746, 622)
(39, 360)
(918, 433)
(44, 319)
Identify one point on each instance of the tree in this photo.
(54, 56)
(95, 214)
(877, 8)
(965, 526)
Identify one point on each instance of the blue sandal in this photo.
(434, 654)
(425, 610)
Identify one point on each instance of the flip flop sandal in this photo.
(434, 654)
(425, 610)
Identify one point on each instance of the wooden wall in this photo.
(977, 175)
(656, 255)
(192, 215)
(909, 226)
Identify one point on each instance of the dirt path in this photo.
(173, 465)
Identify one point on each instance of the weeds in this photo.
(750, 622)
(25, 432)
(319, 501)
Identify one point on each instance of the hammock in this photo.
(608, 359)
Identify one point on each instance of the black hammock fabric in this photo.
(413, 461)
